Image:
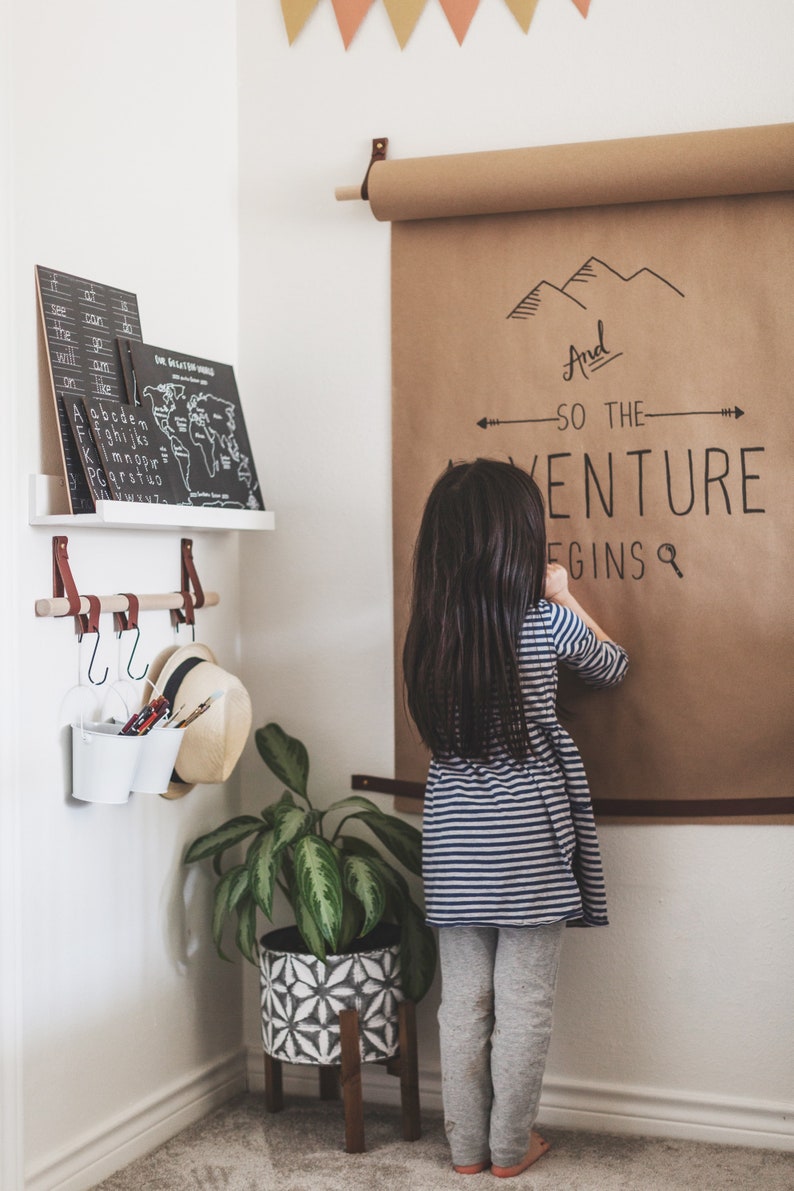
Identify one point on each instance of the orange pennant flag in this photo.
(583, 6)
(349, 15)
(403, 15)
(523, 11)
(296, 14)
(459, 13)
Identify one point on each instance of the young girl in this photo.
(510, 848)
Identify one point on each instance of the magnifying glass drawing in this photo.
(666, 553)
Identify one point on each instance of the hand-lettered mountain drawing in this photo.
(591, 284)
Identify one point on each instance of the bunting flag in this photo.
(523, 11)
(349, 15)
(296, 14)
(459, 13)
(404, 15)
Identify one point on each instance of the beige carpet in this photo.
(242, 1148)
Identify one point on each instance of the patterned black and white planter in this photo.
(301, 997)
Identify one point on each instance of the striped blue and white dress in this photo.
(510, 843)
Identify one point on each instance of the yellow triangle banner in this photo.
(523, 11)
(296, 13)
(404, 15)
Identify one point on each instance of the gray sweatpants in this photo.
(495, 1026)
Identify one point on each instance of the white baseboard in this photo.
(143, 1128)
(596, 1108)
(655, 1112)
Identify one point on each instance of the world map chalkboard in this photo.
(193, 412)
(82, 320)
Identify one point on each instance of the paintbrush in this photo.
(197, 711)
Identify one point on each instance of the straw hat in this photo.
(212, 743)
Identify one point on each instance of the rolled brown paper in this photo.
(686, 165)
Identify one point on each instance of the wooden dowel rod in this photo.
(165, 601)
(344, 194)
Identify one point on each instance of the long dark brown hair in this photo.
(479, 565)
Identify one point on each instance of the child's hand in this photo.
(556, 582)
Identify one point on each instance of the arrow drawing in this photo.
(484, 423)
(733, 412)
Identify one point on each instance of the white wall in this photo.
(125, 172)
(677, 1019)
(10, 933)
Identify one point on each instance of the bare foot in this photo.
(537, 1148)
(477, 1168)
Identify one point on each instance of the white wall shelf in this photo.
(49, 506)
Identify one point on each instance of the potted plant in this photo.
(359, 940)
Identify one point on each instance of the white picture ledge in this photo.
(49, 506)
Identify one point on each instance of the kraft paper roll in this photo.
(633, 170)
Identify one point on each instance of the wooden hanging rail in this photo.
(66, 601)
(167, 601)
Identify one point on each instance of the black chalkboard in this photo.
(93, 468)
(81, 320)
(194, 407)
(130, 448)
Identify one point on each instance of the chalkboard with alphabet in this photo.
(81, 321)
(134, 462)
(85, 445)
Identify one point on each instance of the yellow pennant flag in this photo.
(296, 14)
(403, 15)
(523, 11)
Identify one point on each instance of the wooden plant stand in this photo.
(348, 1075)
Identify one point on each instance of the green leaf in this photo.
(285, 756)
(402, 840)
(238, 886)
(220, 904)
(397, 892)
(362, 877)
(223, 837)
(357, 846)
(287, 869)
(246, 929)
(355, 800)
(290, 824)
(319, 884)
(417, 953)
(262, 865)
(310, 931)
(351, 921)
